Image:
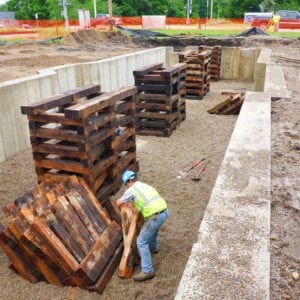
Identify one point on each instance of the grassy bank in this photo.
(223, 32)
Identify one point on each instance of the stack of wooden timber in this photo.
(215, 61)
(160, 106)
(60, 233)
(124, 142)
(230, 106)
(74, 133)
(197, 73)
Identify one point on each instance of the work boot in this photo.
(141, 276)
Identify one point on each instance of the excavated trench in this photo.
(200, 135)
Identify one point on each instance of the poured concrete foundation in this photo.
(233, 238)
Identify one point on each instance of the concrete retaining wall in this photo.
(243, 64)
(231, 259)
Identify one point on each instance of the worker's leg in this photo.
(154, 246)
(147, 234)
(154, 243)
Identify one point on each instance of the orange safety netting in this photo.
(125, 21)
(56, 28)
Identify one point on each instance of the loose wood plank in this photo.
(83, 110)
(43, 105)
(145, 70)
(22, 267)
(129, 216)
(100, 254)
(108, 272)
(75, 200)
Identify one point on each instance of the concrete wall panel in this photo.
(66, 77)
(264, 58)
(230, 61)
(247, 63)
(5, 107)
(33, 91)
(48, 86)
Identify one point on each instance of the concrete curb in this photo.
(231, 259)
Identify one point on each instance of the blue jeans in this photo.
(147, 240)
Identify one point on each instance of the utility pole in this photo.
(211, 9)
(64, 4)
(189, 5)
(206, 13)
(110, 15)
(95, 9)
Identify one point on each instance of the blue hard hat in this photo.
(127, 175)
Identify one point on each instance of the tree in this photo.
(268, 5)
(50, 9)
(26, 9)
(202, 10)
(237, 8)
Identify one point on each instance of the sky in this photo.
(2, 1)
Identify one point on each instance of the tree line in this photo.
(52, 9)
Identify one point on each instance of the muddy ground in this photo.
(161, 159)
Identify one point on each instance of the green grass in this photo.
(15, 40)
(198, 32)
(287, 34)
(221, 33)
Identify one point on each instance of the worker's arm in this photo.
(125, 198)
(119, 203)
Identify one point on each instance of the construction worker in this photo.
(276, 19)
(154, 210)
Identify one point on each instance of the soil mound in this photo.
(90, 36)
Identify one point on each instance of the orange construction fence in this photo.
(39, 29)
(126, 21)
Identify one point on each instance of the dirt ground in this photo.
(161, 159)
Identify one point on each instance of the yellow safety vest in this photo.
(276, 19)
(147, 199)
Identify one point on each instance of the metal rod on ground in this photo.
(184, 172)
(197, 176)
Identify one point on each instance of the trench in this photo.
(214, 208)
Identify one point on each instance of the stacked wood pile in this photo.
(229, 106)
(74, 133)
(60, 233)
(215, 61)
(160, 106)
(197, 73)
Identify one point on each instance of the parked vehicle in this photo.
(249, 16)
(103, 19)
(289, 19)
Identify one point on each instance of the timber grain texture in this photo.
(59, 233)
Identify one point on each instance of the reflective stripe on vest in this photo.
(147, 199)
